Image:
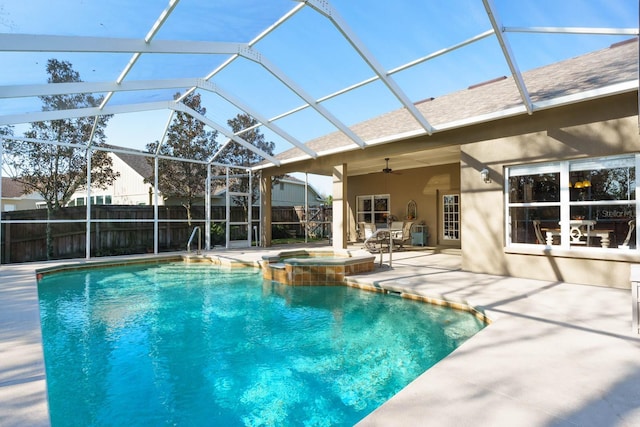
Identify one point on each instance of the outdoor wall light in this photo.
(484, 173)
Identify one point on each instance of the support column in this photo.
(265, 209)
(339, 226)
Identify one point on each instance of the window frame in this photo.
(565, 203)
(367, 208)
(451, 217)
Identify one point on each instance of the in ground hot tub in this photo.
(313, 267)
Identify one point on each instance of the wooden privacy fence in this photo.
(122, 229)
(292, 221)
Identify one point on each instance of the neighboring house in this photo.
(287, 191)
(548, 192)
(128, 189)
(15, 198)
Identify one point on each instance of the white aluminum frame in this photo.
(147, 45)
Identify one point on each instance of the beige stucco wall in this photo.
(570, 132)
(424, 185)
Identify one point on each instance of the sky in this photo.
(307, 49)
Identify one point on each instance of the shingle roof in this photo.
(616, 64)
(11, 188)
(137, 163)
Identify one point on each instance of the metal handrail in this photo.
(193, 233)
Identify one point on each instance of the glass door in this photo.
(451, 217)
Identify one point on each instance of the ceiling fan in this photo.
(387, 169)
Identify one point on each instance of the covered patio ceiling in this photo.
(415, 159)
(302, 68)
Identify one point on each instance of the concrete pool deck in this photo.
(556, 354)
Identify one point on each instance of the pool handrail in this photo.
(193, 233)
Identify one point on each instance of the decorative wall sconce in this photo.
(484, 173)
(412, 210)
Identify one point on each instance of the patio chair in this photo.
(396, 226)
(378, 241)
(632, 226)
(366, 230)
(539, 236)
(404, 236)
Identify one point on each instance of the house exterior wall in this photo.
(598, 128)
(14, 197)
(423, 185)
(284, 193)
(287, 193)
(19, 204)
(129, 188)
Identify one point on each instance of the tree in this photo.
(56, 171)
(186, 139)
(235, 154)
(4, 131)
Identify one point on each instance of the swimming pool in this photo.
(193, 344)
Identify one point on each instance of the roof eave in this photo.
(589, 95)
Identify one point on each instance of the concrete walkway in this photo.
(556, 354)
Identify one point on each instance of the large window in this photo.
(573, 204)
(373, 209)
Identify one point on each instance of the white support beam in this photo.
(43, 141)
(390, 72)
(441, 52)
(202, 84)
(49, 89)
(117, 150)
(56, 43)
(254, 55)
(156, 204)
(325, 9)
(183, 108)
(207, 211)
(87, 236)
(134, 58)
(220, 150)
(165, 132)
(508, 54)
(235, 56)
(42, 116)
(227, 216)
(161, 20)
(93, 131)
(574, 30)
(86, 112)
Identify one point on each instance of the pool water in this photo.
(196, 345)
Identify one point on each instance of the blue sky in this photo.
(307, 48)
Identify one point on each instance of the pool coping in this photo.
(556, 353)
